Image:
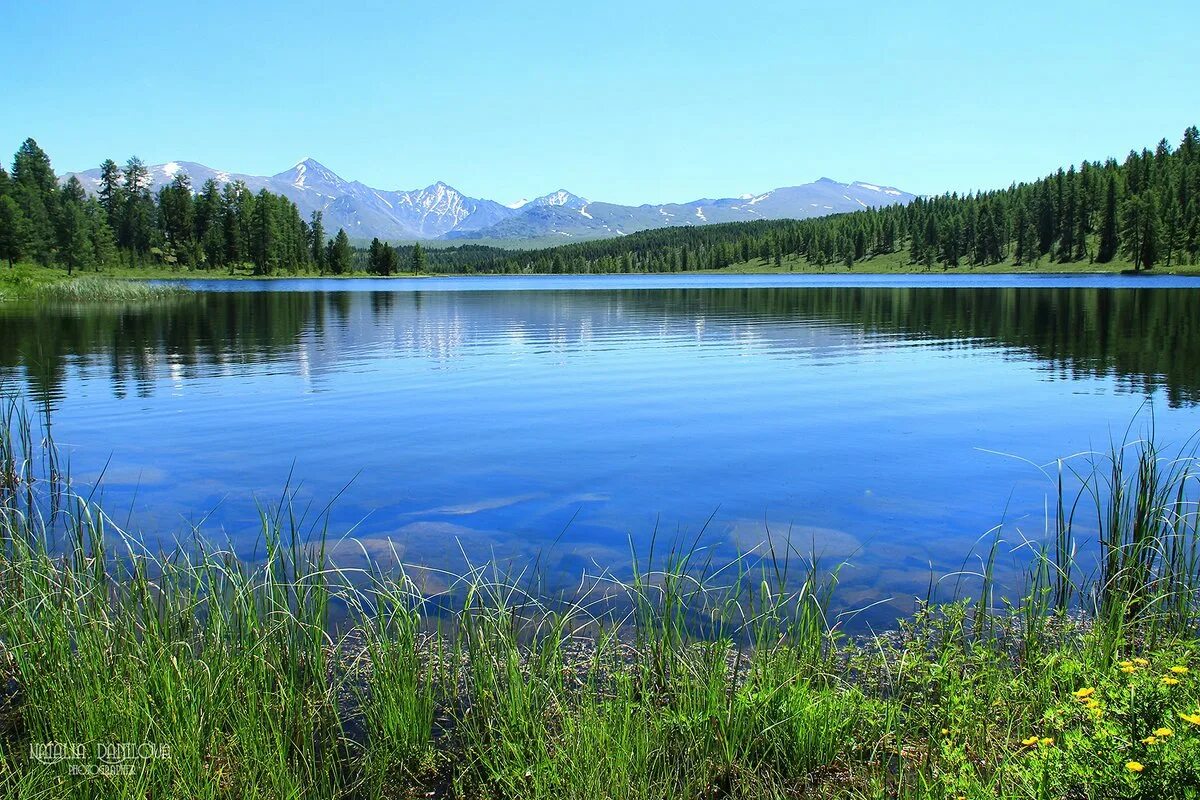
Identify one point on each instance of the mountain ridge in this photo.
(439, 211)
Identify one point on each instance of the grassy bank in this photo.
(33, 282)
(900, 263)
(198, 674)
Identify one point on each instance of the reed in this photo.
(89, 289)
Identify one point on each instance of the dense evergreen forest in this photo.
(1144, 211)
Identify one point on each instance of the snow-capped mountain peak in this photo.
(560, 198)
(312, 175)
(439, 211)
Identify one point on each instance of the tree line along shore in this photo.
(1137, 214)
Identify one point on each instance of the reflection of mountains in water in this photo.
(1145, 337)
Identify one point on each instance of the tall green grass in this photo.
(291, 676)
(88, 289)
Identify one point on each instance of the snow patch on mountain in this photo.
(439, 211)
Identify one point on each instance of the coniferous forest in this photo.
(1143, 212)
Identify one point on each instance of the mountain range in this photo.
(440, 211)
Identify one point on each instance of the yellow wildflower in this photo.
(1125, 664)
(1129, 670)
(1030, 742)
(1169, 681)
(1093, 703)
(1178, 670)
(1046, 741)
(945, 731)
(1135, 766)
(1141, 662)
(1192, 718)
(1163, 733)
(1084, 693)
(1150, 740)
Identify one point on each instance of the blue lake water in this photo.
(890, 421)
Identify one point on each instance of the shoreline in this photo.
(27, 281)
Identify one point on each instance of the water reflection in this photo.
(1146, 337)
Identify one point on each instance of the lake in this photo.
(890, 421)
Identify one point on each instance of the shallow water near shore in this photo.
(566, 419)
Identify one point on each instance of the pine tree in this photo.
(1025, 233)
(111, 191)
(1139, 231)
(137, 176)
(231, 227)
(1107, 248)
(339, 254)
(1172, 233)
(176, 214)
(317, 241)
(418, 258)
(100, 233)
(1068, 223)
(34, 189)
(391, 260)
(375, 257)
(136, 231)
(1191, 236)
(209, 224)
(75, 244)
(12, 230)
(264, 235)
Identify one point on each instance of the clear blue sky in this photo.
(618, 101)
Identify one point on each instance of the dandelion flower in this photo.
(1125, 664)
(1163, 733)
(1150, 740)
(945, 731)
(1030, 742)
(1084, 693)
(1093, 703)
(1129, 670)
(1169, 681)
(1135, 766)
(1178, 670)
(1192, 718)
(1046, 741)
(1141, 662)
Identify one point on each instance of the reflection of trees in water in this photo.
(1145, 336)
(1148, 337)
